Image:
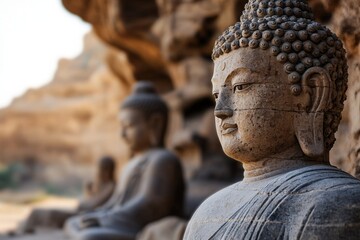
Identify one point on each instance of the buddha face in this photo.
(134, 130)
(254, 109)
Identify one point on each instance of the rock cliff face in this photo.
(73, 119)
(156, 34)
(346, 22)
(343, 17)
(169, 42)
(167, 34)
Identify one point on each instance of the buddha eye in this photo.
(240, 87)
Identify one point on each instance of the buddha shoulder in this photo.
(162, 158)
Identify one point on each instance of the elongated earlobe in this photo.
(309, 122)
(156, 122)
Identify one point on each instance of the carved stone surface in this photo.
(151, 185)
(291, 205)
(279, 82)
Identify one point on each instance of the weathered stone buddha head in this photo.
(143, 116)
(279, 81)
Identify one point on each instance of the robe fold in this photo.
(313, 202)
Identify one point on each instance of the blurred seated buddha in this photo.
(97, 192)
(151, 186)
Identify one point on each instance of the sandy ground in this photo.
(12, 213)
(50, 235)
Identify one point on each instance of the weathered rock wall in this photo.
(72, 120)
(343, 17)
(166, 34)
(169, 43)
(346, 22)
(157, 35)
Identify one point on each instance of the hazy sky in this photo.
(34, 34)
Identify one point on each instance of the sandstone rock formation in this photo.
(346, 21)
(168, 34)
(72, 120)
(343, 17)
(169, 43)
(157, 35)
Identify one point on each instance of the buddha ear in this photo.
(156, 124)
(309, 121)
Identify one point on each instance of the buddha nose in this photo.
(222, 106)
(223, 113)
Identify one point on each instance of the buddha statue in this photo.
(279, 84)
(151, 185)
(97, 192)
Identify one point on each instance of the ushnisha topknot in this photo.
(145, 98)
(286, 28)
